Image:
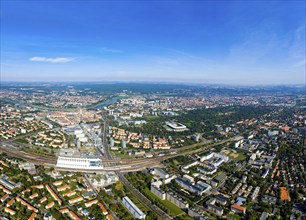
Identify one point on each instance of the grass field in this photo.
(174, 210)
(134, 199)
(233, 216)
(240, 157)
(151, 117)
(234, 156)
(117, 154)
(137, 203)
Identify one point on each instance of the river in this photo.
(99, 106)
(106, 103)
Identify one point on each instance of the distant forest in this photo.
(202, 120)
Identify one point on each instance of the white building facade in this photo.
(79, 163)
(134, 210)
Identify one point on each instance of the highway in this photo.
(105, 144)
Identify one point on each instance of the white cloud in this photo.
(52, 60)
(110, 50)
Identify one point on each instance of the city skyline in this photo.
(193, 42)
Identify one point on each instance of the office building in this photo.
(134, 210)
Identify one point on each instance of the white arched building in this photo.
(79, 163)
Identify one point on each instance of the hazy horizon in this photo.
(156, 82)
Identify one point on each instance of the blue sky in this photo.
(234, 42)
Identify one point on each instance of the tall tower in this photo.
(81, 114)
(123, 143)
